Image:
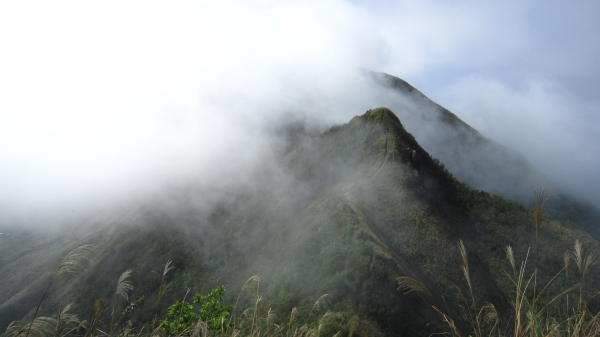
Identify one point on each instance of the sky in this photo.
(105, 99)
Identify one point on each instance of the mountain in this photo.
(470, 156)
(346, 214)
(474, 159)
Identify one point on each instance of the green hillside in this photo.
(351, 211)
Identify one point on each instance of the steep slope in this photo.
(350, 211)
(470, 156)
(474, 159)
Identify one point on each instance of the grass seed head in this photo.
(409, 284)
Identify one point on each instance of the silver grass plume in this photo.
(71, 264)
(510, 255)
(540, 200)
(322, 302)
(123, 285)
(583, 264)
(409, 284)
(465, 266)
(163, 285)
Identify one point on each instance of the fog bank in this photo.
(106, 102)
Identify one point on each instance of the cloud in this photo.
(104, 99)
(555, 130)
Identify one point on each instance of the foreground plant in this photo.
(64, 324)
(181, 315)
(72, 264)
(530, 317)
(205, 315)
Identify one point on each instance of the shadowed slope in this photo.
(474, 159)
(470, 156)
(350, 211)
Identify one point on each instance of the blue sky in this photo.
(102, 97)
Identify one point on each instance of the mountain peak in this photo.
(392, 124)
(361, 148)
(380, 113)
(471, 157)
(401, 142)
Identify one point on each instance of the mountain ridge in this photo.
(475, 159)
(469, 155)
(351, 211)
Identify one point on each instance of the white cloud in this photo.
(105, 97)
(109, 95)
(555, 130)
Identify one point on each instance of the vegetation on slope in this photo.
(356, 208)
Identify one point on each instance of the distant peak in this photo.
(392, 123)
(392, 81)
(401, 142)
(380, 114)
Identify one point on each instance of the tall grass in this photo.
(107, 320)
(577, 320)
(73, 263)
(534, 311)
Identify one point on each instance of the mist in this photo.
(110, 102)
(542, 120)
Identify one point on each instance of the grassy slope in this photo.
(361, 211)
(478, 161)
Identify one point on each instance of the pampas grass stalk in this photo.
(518, 281)
(99, 306)
(327, 314)
(538, 210)
(257, 306)
(121, 290)
(583, 265)
(409, 284)
(253, 279)
(321, 302)
(449, 321)
(164, 286)
(490, 317)
(510, 255)
(39, 327)
(471, 308)
(69, 322)
(293, 315)
(181, 310)
(71, 264)
(270, 315)
(539, 201)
